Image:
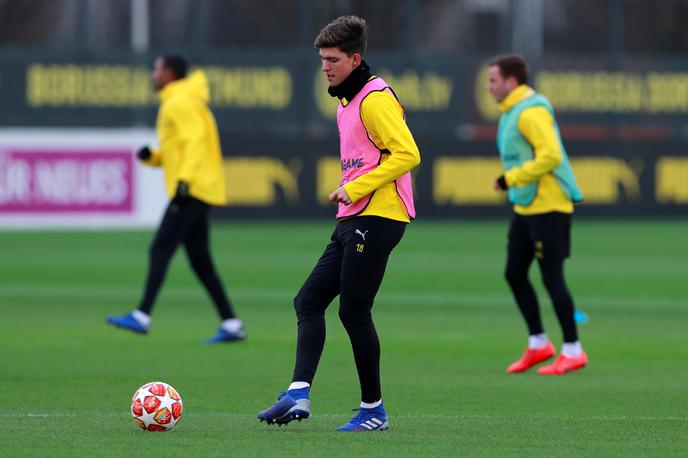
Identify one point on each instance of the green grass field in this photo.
(446, 320)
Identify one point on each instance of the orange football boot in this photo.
(531, 357)
(564, 364)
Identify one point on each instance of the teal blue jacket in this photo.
(514, 150)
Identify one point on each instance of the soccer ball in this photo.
(156, 406)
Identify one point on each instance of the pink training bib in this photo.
(359, 154)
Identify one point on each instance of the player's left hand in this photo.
(340, 196)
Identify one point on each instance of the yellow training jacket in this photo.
(383, 118)
(536, 124)
(189, 143)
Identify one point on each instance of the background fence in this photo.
(614, 71)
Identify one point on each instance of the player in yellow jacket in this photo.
(191, 159)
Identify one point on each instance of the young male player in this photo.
(375, 205)
(541, 185)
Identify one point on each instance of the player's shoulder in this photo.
(535, 114)
(381, 94)
(381, 99)
(179, 104)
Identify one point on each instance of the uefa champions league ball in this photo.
(156, 406)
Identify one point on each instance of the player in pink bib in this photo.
(375, 200)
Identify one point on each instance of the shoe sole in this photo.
(135, 331)
(565, 372)
(383, 427)
(531, 366)
(226, 341)
(290, 416)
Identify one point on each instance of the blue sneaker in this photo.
(374, 419)
(291, 405)
(127, 322)
(223, 336)
(580, 317)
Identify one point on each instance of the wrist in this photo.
(349, 192)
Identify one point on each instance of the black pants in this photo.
(352, 267)
(185, 223)
(546, 237)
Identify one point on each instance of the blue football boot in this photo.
(223, 336)
(291, 405)
(127, 322)
(374, 419)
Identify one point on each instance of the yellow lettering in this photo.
(115, 86)
(485, 103)
(466, 181)
(34, 85)
(667, 92)
(615, 92)
(327, 105)
(87, 85)
(671, 180)
(427, 92)
(250, 88)
(601, 179)
(328, 176)
(418, 92)
(439, 91)
(254, 181)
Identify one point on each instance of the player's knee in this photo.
(354, 312)
(351, 319)
(515, 276)
(347, 317)
(201, 265)
(160, 249)
(552, 276)
(198, 258)
(305, 304)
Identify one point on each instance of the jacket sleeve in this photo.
(536, 124)
(190, 128)
(383, 118)
(155, 160)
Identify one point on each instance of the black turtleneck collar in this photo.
(352, 84)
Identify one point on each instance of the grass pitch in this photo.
(445, 317)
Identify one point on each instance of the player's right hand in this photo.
(182, 195)
(144, 153)
(340, 196)
(500, 184)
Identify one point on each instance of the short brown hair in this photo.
(511, 65)
(348, 33)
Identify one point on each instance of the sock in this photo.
(371, 405)
(298, 385)
(144, 319)
(231, 325)
(299, 390)
(571, 349)
(536, 341)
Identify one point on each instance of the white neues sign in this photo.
(77, 178)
